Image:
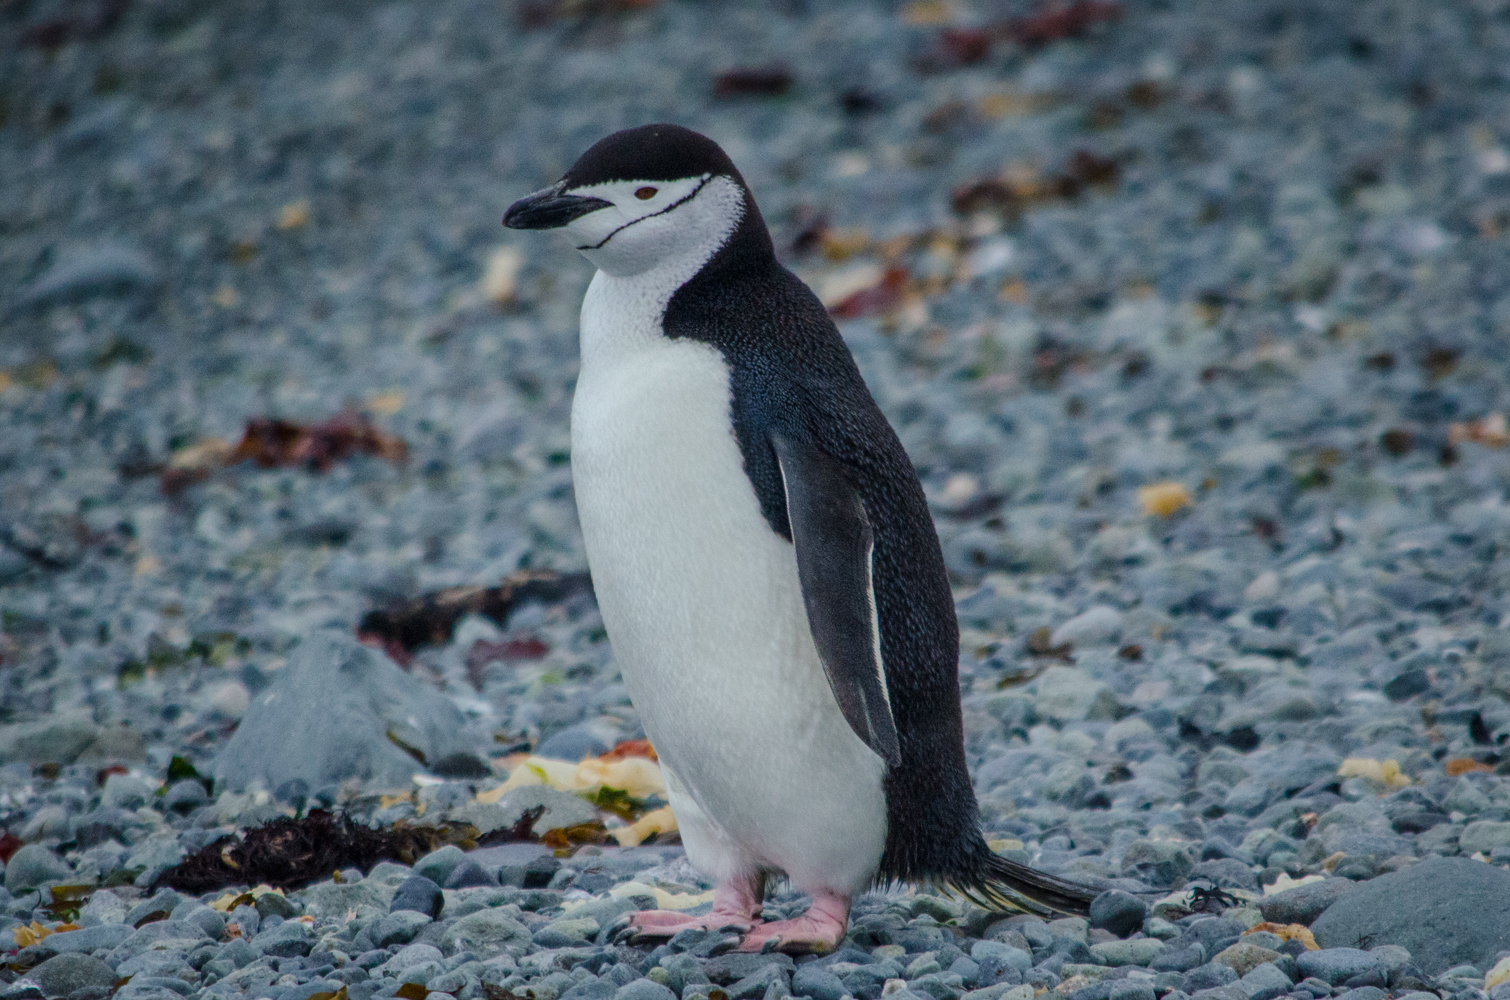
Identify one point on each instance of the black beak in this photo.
(550, 209)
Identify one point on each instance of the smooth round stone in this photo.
(399, 927)
(1209, 976)
(1140, 951)
(64, 974)
(185, 795)
(469, 874)
(1336, 965)
(1119, 912)
(419, 894)
(437, 866)
(32, 866)
(645, 989)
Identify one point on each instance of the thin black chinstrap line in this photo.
(707, 178)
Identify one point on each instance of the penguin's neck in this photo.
(622, 313)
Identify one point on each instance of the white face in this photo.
(649, 223)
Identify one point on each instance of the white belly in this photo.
(702, 604)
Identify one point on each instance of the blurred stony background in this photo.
(1192, 315)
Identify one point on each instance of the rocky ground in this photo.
(1192, 316)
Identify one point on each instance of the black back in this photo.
(792, 374)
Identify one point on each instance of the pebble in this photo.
(34, 865)
(84, 270)
(488, 933)
(399, 927)
(1484, 836)
(1335, 965)
(644, 989)
(759, 982)
(1179, 958)
(817, 983)
(1245, 956)
(419, 894)
(1302, 905)
(469, 874)
(1265, 982)
(1119, 912)
(1159, 863)
(68, 973)
(1097, 624)
(124, 791)
(438, 865)
(1209, 976)
(1140, 951)
(559, 809)
(56, 740)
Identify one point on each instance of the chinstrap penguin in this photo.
(763, 558)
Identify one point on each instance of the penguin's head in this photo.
(641, 198)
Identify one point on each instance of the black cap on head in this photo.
(650, 153)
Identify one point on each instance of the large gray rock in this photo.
(64, 974)
(1444, 911)
(339, 710)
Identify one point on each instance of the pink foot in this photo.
(817, 932)
(736, 905)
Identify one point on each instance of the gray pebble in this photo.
(288, 939)
(65, 974)
(817, 983)
(644, 989)
(34, 865)
(419, 894)
(438, 865)
(756, 984)
(1303, 904)
(469, 874)
(82, 271)
(591, 989)
(1119, 912)
(1209, 976)
(1335, 965)
(399, 927)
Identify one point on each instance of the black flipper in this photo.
(833, 540)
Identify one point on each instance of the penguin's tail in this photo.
(1001, 884)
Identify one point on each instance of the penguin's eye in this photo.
(645, 193)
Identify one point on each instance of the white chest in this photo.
(672, 527)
